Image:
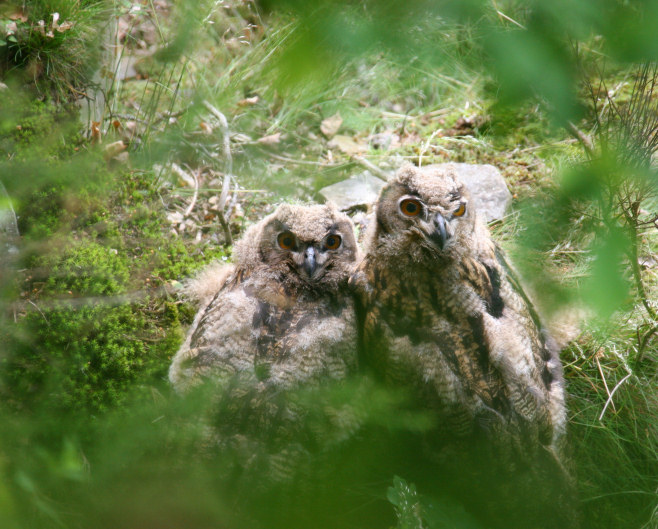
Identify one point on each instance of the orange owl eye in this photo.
(460, 210)
(332, 242)
(286, 240)
(411, 207)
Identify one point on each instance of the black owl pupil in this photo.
(411, 207)
(287, 241)
(331, 241)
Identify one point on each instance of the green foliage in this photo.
(617, 449)
(417, 512)
(89, 322)
(52, 43)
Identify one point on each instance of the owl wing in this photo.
(542, 352)
(219, 329)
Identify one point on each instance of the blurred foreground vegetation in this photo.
(137, 139)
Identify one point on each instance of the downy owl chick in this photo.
(274, 330)
(282, 314)
(443, 315)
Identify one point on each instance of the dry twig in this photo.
(370, 167)
(226, 143)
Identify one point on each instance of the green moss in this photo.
(34, 128)
(100, 325)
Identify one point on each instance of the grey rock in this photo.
(9, 233)
(357, 191)
(489, 192)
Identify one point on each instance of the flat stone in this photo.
(489, 192)
(347, 145)
(487, 187)
(357, 191)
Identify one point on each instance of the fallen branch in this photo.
(300, 162)
(584, 140)
(93, 301)
(192, 181)
(370, 167)
(226, 144)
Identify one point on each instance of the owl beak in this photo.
(310, 264)
(439, 236)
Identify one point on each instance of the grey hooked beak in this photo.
(439, 235)
(310, 263)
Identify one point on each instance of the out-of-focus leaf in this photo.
(630, 28)
(607, 286)
(528, 64)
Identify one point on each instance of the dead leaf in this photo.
(95, 132)
(329, 127)
(175, 217)
(18, 15)
(183, 175)
(64, 26)
(272, 139)
(248, 101)
(347, 145)
(122, 157)
(205, 128)
(112, 149)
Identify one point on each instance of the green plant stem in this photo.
(635, 266)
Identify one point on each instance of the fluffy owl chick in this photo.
(443, 316)
(443, 312)
(282, 315)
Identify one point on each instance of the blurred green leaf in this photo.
(607, 288)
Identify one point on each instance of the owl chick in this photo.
(282, 314)
(443, 315)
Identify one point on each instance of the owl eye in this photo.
(286, 240)
(411, 207)
(332, 242)
(460, 210)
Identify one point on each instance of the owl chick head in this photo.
(301, 246)
(424, 213)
